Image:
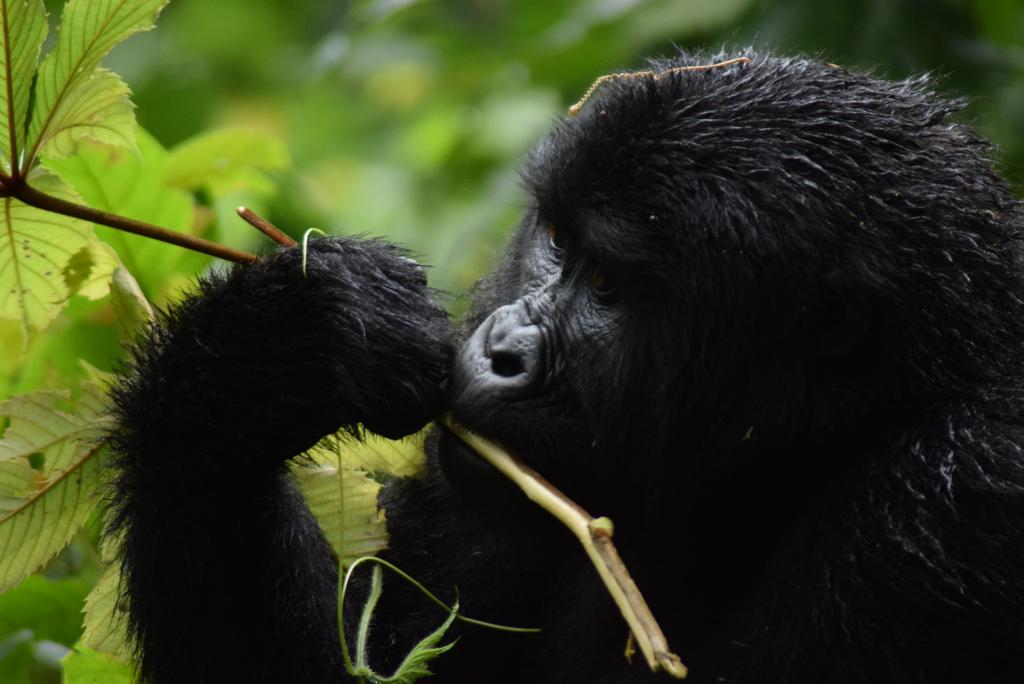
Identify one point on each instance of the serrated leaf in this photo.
(344, 501)
(226, 160)
(376, 454)
(88, 273)
(414, 666)
(98, 109)
(17, 478)
(48, 517)
(88, 30)
(38, 427)
(43, 507)
(24, 28)
(35, 246)
(105, 625)
(345, 505)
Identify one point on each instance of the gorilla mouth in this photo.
(472, 476)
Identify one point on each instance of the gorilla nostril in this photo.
(506, 364)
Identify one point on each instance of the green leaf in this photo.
(85, 666)
(226, 160)
(105, 619)
(89, 271)
(40, 517)
(88, 31)
(35, 246)
(344, 501)
(22, 35)
(38, 427)
(414, 666)
(376, 454)
(99, 109)
(17, 478)
(345, 505)
(131, 307)
(46, 520)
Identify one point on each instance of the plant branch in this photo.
(19, 189)
(266, 227)
(596, 536)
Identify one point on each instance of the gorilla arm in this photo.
(228, 576)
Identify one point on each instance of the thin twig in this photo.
(596, 536)
(266, 227)
(21, 190)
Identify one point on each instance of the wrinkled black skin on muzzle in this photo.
(767, 317)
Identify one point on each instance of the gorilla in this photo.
(767, 317)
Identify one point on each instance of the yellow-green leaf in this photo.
(35, 246)
(17, 478)
(131, 307)
(45, 520)
(105, 620)
(88, 31)
(98, 109)
(376, 454)
(37, 426)
(89, 271)
(43, 506)
(23, 24)
(344, 502)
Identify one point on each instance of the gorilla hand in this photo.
(291, 357)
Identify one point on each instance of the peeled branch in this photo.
(596, 536)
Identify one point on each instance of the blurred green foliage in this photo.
(406, 119)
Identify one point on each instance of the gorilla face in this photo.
(576, 343)
(596, 343)
(522, 375)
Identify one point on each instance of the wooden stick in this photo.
(596, 536)
(266, 227)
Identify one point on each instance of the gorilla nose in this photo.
(512, 343)
(501, 358)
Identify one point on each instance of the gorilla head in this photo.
(780, 253)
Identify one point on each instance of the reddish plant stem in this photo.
(266, 227)
(21, 190)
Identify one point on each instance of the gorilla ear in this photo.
(844, 318)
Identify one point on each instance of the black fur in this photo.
(776, 338)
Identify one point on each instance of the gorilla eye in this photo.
(603, 286)
(556, 242)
